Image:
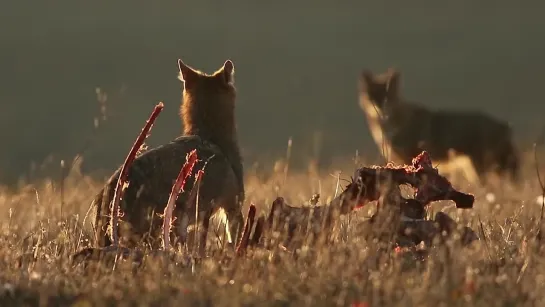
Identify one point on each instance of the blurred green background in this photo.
(296, 64)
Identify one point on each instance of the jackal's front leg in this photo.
(234, 226)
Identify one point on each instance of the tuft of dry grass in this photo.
(505, 268)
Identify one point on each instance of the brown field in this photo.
(497, 271)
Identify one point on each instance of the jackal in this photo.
(208, 115)
(401, 129)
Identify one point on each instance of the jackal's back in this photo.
(151, 177)
(486, 140)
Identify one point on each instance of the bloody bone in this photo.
(122, 181)
(177, 188)
(429, 185)
(370, 184)
(245, 239)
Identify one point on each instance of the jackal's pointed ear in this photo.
(367, 76)
(394, 81)
(366, 80)
(228, 72)
(186, 74)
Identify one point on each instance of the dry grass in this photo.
(500, 270)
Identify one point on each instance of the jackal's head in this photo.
(382, 88)
(208, 100)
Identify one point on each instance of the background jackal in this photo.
(401, 129)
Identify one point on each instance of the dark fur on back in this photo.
(151, 177)
(207, 113)
(410, 128)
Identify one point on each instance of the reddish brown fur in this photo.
(208, 107)
(208, 110)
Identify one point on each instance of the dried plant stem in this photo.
(63, 178)
(485, 239)
(245, 240)
(337, 184)
(196, 233)
(286, 166)
(122, 180)
(83, 224)
(177, 188)
(542, 192)
(197, 185)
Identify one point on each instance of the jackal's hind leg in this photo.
(203, 233)
(182, 229)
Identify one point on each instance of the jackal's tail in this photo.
(100, 205)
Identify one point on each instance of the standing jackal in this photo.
(208, 115)
(402, 129)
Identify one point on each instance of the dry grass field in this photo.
(504, 268)
(76, 78)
